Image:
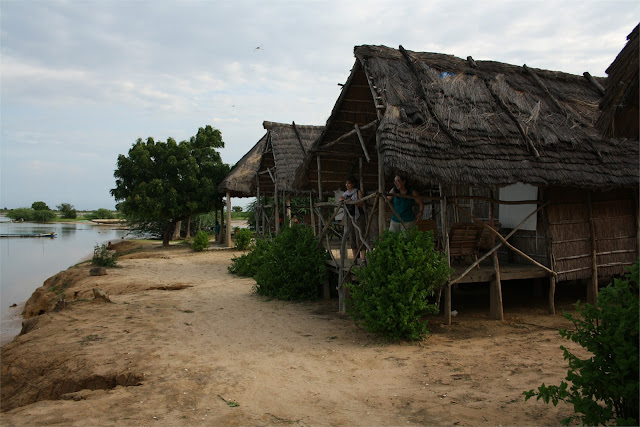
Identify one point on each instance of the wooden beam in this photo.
(514, 119)
(364, 148)
(594, 82)
(351, 133)
(295, 129)
(319, 165)
(592, 290)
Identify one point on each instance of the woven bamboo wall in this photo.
(614, 222)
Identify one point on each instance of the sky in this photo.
(82, 80)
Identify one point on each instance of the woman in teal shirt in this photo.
(403, 205)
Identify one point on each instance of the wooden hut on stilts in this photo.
(267, 172)
(517, 180)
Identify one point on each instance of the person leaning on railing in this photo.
(356, 211)
(403, 206)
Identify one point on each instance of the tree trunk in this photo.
(166, 237)
(188, 236)
(176, 233)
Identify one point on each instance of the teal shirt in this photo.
(404, 206)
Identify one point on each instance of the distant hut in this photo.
(619, 105)
(512, 149)
(269, 168)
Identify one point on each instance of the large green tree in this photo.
(170, 181)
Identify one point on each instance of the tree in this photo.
(40, 206)
(166, 182)
(44, 215)
(604, 386)
(67, 210)
(236, 209)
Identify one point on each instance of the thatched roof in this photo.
(620, 103)
(241, 180)
(278, 154)
(442, 119)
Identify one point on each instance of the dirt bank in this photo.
(185, 343)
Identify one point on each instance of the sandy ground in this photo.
(183, 342)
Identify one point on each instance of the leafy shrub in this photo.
(40, 206)
(391, 296)
(100, 214)
(25, 214)
(290, 267)
(243, 238)
(102, 257)
(293, 268)
(43, 216)
(67, 211)
(604, 386)
(247, 265)
(201, 241)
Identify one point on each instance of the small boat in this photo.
(51, 235)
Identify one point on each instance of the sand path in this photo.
(186, 343)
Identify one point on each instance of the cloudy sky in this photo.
(81, 80)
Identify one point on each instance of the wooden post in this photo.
(381, 205)
(288, 207)
(342, 300)
(228, 234)
(552, 295)
(445, 245)
(258, 212)
(495, 302)
(311, 216)
(320, 198)
(592, 289)
(276, 207)
(552, 279)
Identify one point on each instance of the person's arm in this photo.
(391, 192)
(360, 197)
(420, 203)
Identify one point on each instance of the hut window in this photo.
(511, 215)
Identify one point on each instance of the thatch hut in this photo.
(269, 169)
(619, 105)
(483, 141)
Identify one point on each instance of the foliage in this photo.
(67, 210)
(294, 268)
(103, 257)
(166, 182)
(25, 214)
(40, 206)
(243, 238)
(290, 267)
(604, 386)
(391, 296)
(247, 265)
(100, 214)
(43, 216)
(236, 209)
(201, 241)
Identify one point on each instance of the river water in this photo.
(25, 263)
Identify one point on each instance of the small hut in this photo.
(268, 169)
(507, 159)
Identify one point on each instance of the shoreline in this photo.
(11, 323)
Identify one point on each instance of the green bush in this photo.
(25, 214)
(100, 214)
(391, 296)
(40, 206)
(67, 211)
(247, 265)
(290, 267)
(43, 216)
(604, 386)
(293, 268)
(102, 257)
(243, 238)
(201, 241)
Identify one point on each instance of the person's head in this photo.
(351, 182)
(400, 182)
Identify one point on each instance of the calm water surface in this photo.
(25, 263)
